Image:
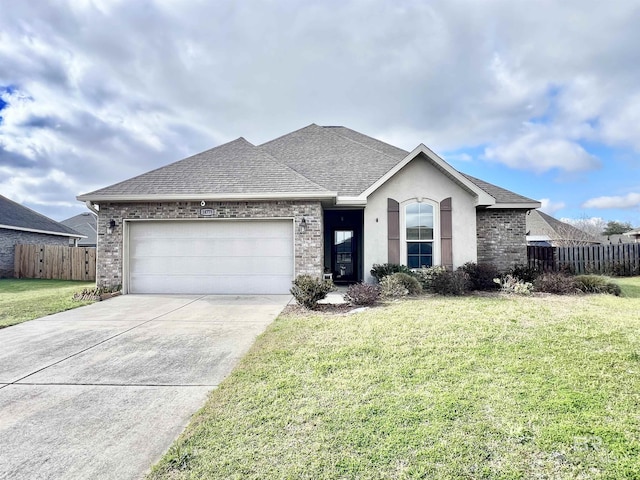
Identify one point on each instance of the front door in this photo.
(344, 256)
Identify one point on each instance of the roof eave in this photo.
(46, 232)
(511, 206)
(355, 201)
(208, 196)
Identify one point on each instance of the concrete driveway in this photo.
(102, 391)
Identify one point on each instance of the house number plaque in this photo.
(207, 212)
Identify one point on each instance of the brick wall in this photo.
(502, 237)
(10, 238)
(308, 244)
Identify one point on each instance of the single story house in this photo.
(85, 223)
(20, 225)
(244, 218)
(545, 231)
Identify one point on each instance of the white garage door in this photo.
(216, 257)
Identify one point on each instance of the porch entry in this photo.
(343, 245)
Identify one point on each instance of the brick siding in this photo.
(502, 237)
(10, 238)
(308, 242)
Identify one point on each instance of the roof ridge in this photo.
(264, 152)
(287, 134)
(359, 143)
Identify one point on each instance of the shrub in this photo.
(524, 273)
(451, 283)
(557, 283)
(362, 294)
(392, 286)
(511, 284)
(308, 290)
(427, 275)
(410, 282)
(481, 276)
(596, 284)
(379, 271)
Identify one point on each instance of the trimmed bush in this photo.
(410, 282)
(392, 287)
(308, 290)
(596, 284)
(524, 273)
(379, 271)
(557, 283)
(427, 275)
(362, 294)
(481, 276)
(451, 283)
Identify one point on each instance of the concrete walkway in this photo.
(102, 391)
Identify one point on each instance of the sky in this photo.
(539, 97)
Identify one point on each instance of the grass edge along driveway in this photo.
(475, 387)
(26, 299)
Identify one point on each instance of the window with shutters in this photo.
(419, 234)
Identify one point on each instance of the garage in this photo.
(210, 256)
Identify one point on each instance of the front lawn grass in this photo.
(478, 387)
(26, 299)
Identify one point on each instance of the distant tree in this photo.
(616, 228)
(567, 235)
(592, 226)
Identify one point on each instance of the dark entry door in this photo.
(344, 256)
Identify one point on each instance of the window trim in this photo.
(436, 229)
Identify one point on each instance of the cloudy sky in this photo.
(540, 97)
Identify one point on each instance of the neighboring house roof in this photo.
(14, 216)
(312, 162)
(542, 227)
(633, 233)
(86, 224)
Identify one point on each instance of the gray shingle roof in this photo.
(500, 194)
(312, 160)
(13, 214)
(331, 157)
(86, 224)
(237, 167)
(539, 223)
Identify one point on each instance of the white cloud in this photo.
(631, 200)
(113, 88)
(536, 151)
(550, 207)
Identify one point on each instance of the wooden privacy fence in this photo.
(55, 262)
(620, 259)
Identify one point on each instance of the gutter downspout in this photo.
(91, 207)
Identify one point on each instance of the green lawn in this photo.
(476, 387)
(22, 300)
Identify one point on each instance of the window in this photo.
(419, 234)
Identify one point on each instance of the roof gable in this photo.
(14, 216)
(421, 151)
